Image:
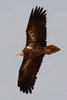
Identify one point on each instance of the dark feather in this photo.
(28, 72)
(35, 50)
(36, 29)
(36, 35)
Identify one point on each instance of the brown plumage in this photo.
(34, 51)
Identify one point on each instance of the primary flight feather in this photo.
(35, 50)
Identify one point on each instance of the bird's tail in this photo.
(51, 49)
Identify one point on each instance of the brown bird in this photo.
(35, 50)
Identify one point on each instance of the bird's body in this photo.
(36, 48)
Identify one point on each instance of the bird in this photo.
(35, 49)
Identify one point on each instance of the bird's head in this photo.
(21, 53)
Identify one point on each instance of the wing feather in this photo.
(36, 29)
(28, 72)
(36, 35)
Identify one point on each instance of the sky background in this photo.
(51, 81)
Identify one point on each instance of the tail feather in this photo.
(51, 49)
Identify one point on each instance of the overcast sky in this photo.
(51, 81)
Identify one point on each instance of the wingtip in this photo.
(26, 87)
(39, 10)
(26, 90)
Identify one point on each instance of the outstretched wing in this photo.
(27, 73)
(36, 34)
(36, 29)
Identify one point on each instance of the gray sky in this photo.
(51, 81)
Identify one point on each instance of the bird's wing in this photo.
(36, 29)
(28, 72)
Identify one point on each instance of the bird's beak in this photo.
(20, 53)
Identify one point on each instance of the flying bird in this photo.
(35, 49)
